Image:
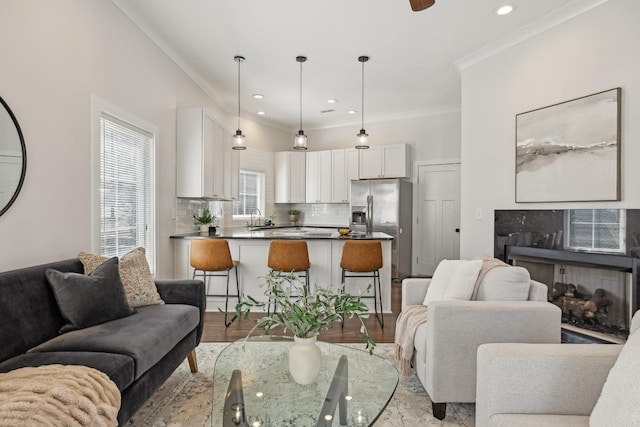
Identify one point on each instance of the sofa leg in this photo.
(193, 362)
(439, 410)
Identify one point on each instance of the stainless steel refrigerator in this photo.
(387, 207)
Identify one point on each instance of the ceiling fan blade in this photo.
(418, 5)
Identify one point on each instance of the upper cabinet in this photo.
(344, 163)
(319, 177)
(290, 176)
(205, 166)
(388, 161)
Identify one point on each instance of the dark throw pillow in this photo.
(89, 300)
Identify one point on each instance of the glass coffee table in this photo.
(252, 386)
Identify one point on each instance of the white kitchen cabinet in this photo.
(345, 168)
(200, 155)
(319, 177)
(290, 176)
(387, 161)
(232, 169)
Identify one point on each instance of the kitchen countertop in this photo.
(278, 232)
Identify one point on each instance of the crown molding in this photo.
(571, 10)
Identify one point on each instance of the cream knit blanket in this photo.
(57, 395)
(408, 321)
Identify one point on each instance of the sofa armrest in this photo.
(190, 292)
(413, 291)
(562, 379)
(455, 329)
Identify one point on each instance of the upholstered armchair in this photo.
(551, 385)
(445, 347)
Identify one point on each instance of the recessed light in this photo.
(258, 95)
(505, 9)
(262, 113)
(351, 112)
(332, 101)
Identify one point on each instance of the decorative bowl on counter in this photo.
(343, 231)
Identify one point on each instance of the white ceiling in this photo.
(414, 62)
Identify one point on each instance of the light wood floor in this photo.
(215, 331)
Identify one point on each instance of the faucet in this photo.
(251, 224)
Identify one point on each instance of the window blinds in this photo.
(125, 188)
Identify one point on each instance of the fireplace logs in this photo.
(580, 307)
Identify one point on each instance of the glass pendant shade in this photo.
(300, 141)
(238, 141)
(363, 139)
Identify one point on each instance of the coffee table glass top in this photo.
(273, 399)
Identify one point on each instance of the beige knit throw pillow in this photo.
(135, 275)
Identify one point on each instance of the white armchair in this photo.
(445, 347)
(559, 384)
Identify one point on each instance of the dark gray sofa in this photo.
(138, 352)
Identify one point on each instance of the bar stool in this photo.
(364, 256)
(289, 256)
(213, 256)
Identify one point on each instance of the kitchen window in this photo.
(596, 230)
(251, 195)
(125, 186)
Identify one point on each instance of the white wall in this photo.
(590, 53)
(54, 56)
(432, 137)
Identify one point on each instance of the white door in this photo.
(437, 234)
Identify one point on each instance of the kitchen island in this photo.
(251, 248)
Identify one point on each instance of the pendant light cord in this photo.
(362, 94)
(300, 95)
(239, 61)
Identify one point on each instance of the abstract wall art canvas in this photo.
(570, 151)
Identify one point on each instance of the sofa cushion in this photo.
(463, 281)
(618, 403)
(147, 335)
(89, 300)
(135, 274)
(504, 284)
(118, 367)
(440, 279)
(537, 420)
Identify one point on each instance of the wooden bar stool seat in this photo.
(363, 258)
(289, 256)
(212, 258)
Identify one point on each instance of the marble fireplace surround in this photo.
(533, 239)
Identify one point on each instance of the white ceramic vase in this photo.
(204, 228)
(305, 360)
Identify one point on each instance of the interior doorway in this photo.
(436, 216)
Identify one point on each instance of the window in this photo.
(125, 185)
(598, 230)
(251, 194)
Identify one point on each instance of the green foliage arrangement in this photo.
(294, 212)
(303, 313)
(205, 218)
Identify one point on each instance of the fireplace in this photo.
(595, 292)
(598, 292)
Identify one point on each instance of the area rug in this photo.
(185, 398)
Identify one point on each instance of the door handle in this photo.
(457, 230)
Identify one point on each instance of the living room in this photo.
(58, 54)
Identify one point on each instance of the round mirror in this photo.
(13, 158)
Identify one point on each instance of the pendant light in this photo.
(362, 136)
(238, 139)
(300, 140)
